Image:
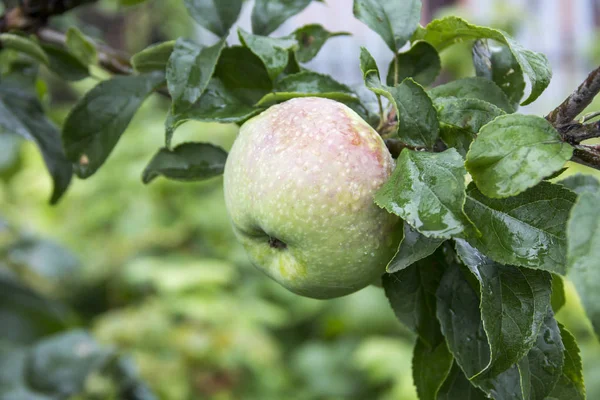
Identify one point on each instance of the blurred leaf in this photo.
(186, 162)
(527, 230)
(96, 123)
(514, 153)
(395, 22)
(273, 52)
(444, 32)
(558, 293)
(583, 253)
(25, 316)
(81, 47)
(411, 293)
(580, 183)
(513, 306)
(64, 64)
(189, 71)
(308, 84)
(311, 39)
(250, 83)
(499, 65)
(153, 58)
(22, 113)
(431, 367)
(268, 15)
(218, 16)
(421, 63)
(473, 88)
(25, 46)
(457, 386)
(466, 114)
(413, 248)
(427, 190)
(10, 156)
(570, 385)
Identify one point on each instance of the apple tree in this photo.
(484, 229)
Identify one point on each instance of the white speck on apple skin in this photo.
(305, 172)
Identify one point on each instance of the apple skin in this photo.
(299, 185)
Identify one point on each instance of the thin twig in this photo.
(577, 101)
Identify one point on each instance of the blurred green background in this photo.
(155, 272)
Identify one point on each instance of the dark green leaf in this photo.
(444, 32)
(10, 156)
(457, 386)
(249, 83)
(268, 15)
(514, 153)
(427, 190)
(570, 386)
(186, 162)
(25, 46)
(418, 125)
(22, 113)
(514, 303)
(499, 65)
(526, 230)
(367, 64)
(153, 58)
(558, 293)
(431, 367)
(311, 39)
(81, 47)
(473, 88)
(466, 114)
(308, 84)
(274, 53)
(457, 137)
(421, 63)
(394, 21)
(583, 253)
(95, 124)
(64, 64)
(413, 248)
(580, 183)
(189, 70)
(218, 16)
(411, 293)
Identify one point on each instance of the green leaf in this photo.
(570, 385)
(217, 104)
(580, 183)
(153, 58)
(427, 190)
(218, 16)
(308, 84)
(421, 63)
(583, 253)
(412, 248)
(311, 39)
(514, 303)
(24, 45)
(467, 114)
(394, 21)
(457, 386)
(418, 125)
(268, 15)
(527, 230)
(558, 293)
(499, 65)
(431, 367)
(411, 293)
(368, 64)
(274, 53)
(249, 83)
(514, 153)
(186, 162)
(189, 70)
(457, 137)
(64, 64)
(444, 32)
(95, 124)
(473, 88)
(21, 113)
(81, 47)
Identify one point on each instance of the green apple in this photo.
(299, 186)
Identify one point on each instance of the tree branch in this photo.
(577, 101)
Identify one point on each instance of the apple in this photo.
(299, 185)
